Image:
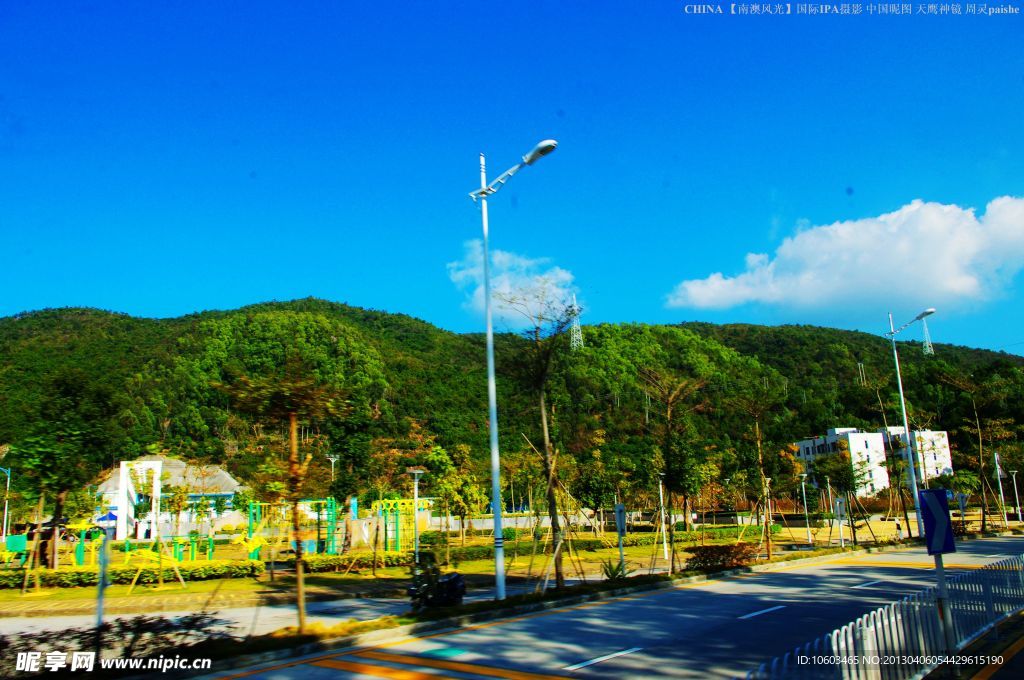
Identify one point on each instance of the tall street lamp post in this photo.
(908, 449)
(1015, 496)
(807, 518)
(416, 472)
(999, 481)
(334, 459)
(481, 194)
(661, 502)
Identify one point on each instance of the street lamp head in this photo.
(927, 312)
(803, 476)
(416, 471)
(542, 149)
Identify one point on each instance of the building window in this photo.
(866, 444)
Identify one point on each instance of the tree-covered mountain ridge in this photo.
(76, 378)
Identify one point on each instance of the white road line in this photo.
(763, 611)
(865, 585)
(576, 667)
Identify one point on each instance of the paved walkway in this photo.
(240, 621)
(175, 599)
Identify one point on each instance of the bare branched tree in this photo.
(979, 394)
(548, 315)
(678, 396)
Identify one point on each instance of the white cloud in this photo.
(924, 253)
(512, 275)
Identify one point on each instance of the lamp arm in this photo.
(497, 183)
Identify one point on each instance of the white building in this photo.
(867, 454)
(932, 448)
(143, 480)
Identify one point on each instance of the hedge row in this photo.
(717, 557)
(437, 537)
(732, 531)
(70, 577)
(317, 562)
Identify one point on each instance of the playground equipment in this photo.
(272, 522)
(15, 548)
(153, 559)
(397, 517)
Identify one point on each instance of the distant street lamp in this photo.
(1016, 497)
(334, 459)
(908, 449)
(999, 480)
(661, 502)
(416, 472)
(542, 149)
(807, 519)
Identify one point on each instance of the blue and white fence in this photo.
(905, 639)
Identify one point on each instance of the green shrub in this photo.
(719, 532)
(433, 537)
(960, 528)
(614, 570)
(718, 557)
(72, 577)
(320, 563)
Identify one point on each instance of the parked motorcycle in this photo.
(430, 588)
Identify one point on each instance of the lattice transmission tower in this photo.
(928, 349)
(575, 333)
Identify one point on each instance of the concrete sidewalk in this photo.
(239, 621)
(175, 599)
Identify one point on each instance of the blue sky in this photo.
(164, 158)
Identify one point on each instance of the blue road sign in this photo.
(938, 530)
(620, 519)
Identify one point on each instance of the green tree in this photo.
(288, 397)
(548, 318)
(72, 436)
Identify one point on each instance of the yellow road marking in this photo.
(1010, 652)
(457, 666)
(375, 671)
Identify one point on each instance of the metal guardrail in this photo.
(905, 639)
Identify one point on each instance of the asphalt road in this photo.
(720, 628)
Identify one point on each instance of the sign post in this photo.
(938, 532)
(107, 525)
(416, 472)
(839, 519)
(620, 526)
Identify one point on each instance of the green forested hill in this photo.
(827, 388)
(95, 387)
